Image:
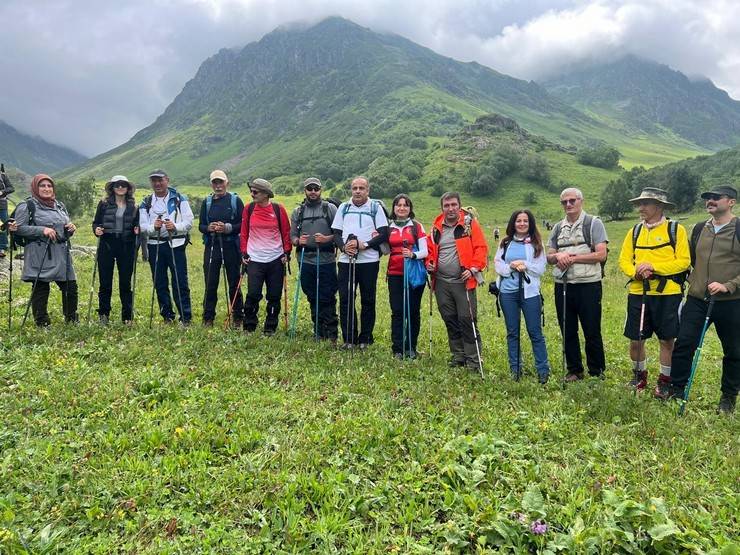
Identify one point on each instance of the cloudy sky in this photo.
(90, 73)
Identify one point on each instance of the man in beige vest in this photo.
(577, 249)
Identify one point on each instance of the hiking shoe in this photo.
(268, 333)
(103, 319)
(726, 404)
(399, 356)
(347, 346)
(516, 376)
(639, 380)
(207, 323)
(2, 254)
(572, 377)
(543, 379)
(363, 346)
(662, 388)
(455, 362)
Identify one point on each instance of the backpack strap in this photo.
(325, 211)
(695, 233)
(588, 222)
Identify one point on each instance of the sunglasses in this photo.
(217, 181)
(568, 201)
(313, 188)
(120, 185)
(255, 191)
(714, 197)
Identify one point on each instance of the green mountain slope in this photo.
(722, 168)
(33, 154)
(333, 98)
(635, 95)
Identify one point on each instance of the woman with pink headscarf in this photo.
(45, 226)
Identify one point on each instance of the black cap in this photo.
(730, 192)
(158, 173)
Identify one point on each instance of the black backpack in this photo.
(680, 277)
(17, 241)
(697, 231)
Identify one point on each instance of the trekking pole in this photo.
(408, 310)
(36, 280)
(133, 289)
(177, 277)
(350, 298)
(236, 294)
(294, 316)
(431, 296)
(92, 283)
(403, 312)
(225, 278)
(211, 244)
(562, 332)
(518, 371)
(10, 279)
(286, 269)
(475, 332)
(640, 341)
(154, 276)
(318, 274)
(353, 267)
(697, 355)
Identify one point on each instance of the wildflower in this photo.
(538, 527)
(521, 517)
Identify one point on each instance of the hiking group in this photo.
(658, 256)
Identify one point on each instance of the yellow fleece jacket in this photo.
(665, 261)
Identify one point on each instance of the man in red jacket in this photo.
(458, 253)
(265, 247)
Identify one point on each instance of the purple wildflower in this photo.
(538, 527)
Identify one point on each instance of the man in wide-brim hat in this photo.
(655, 256)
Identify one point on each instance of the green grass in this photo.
(200, 440)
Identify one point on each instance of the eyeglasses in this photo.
(217, 181)
(254, 191)
(313, 188)
(120, 185)
(714, 197)
(567, 201)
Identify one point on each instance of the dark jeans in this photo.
(726, 320)
(259, 274)
(366, 277)
(3, 234)
(116, 251)
(40, 301)
(452, 301)
(395, 296)
(212, 274)
(583, 303)
(327, 328)
(513, 305)
(172, 260)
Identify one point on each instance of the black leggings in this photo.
(40, 301)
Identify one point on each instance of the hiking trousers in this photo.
(452, 303)
(115, 251)
(212, 276)
(583, 303)
(40, 301)
(327, 297)
(726, 320)
(395, 296)
(259, 275)
(366, 279)
(170, 261)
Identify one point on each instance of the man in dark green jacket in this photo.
(715, 247)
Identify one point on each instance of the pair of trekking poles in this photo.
(222, 269)
(95, 270)
(296, 296)
(156, 269)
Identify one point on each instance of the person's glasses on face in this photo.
(714, 197)
(120, 185)
(312, 188)
(569, 201)
(254, 192)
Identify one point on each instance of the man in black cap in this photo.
(166, 218)
(715, 257)
(311, 234)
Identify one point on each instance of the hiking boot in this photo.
(516, 376)
(2, 253)
(573, 377)
(662, 388)
(639, 380)
(455, 362)
(399, 356)
(543, 378)
(364, 346)
(268, 333)
(207, 323)
(726, 404)
(103, 319)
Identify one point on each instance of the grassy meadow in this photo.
(168, 440)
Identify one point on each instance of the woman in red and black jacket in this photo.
(407, 241)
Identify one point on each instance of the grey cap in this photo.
(731, 192)
(653, 193)
(263, 185)
(312, 181)
(158, 173)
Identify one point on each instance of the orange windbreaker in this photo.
(472, 248)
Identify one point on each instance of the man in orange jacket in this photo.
(458, 253)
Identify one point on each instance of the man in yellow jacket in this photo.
(655, 256)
